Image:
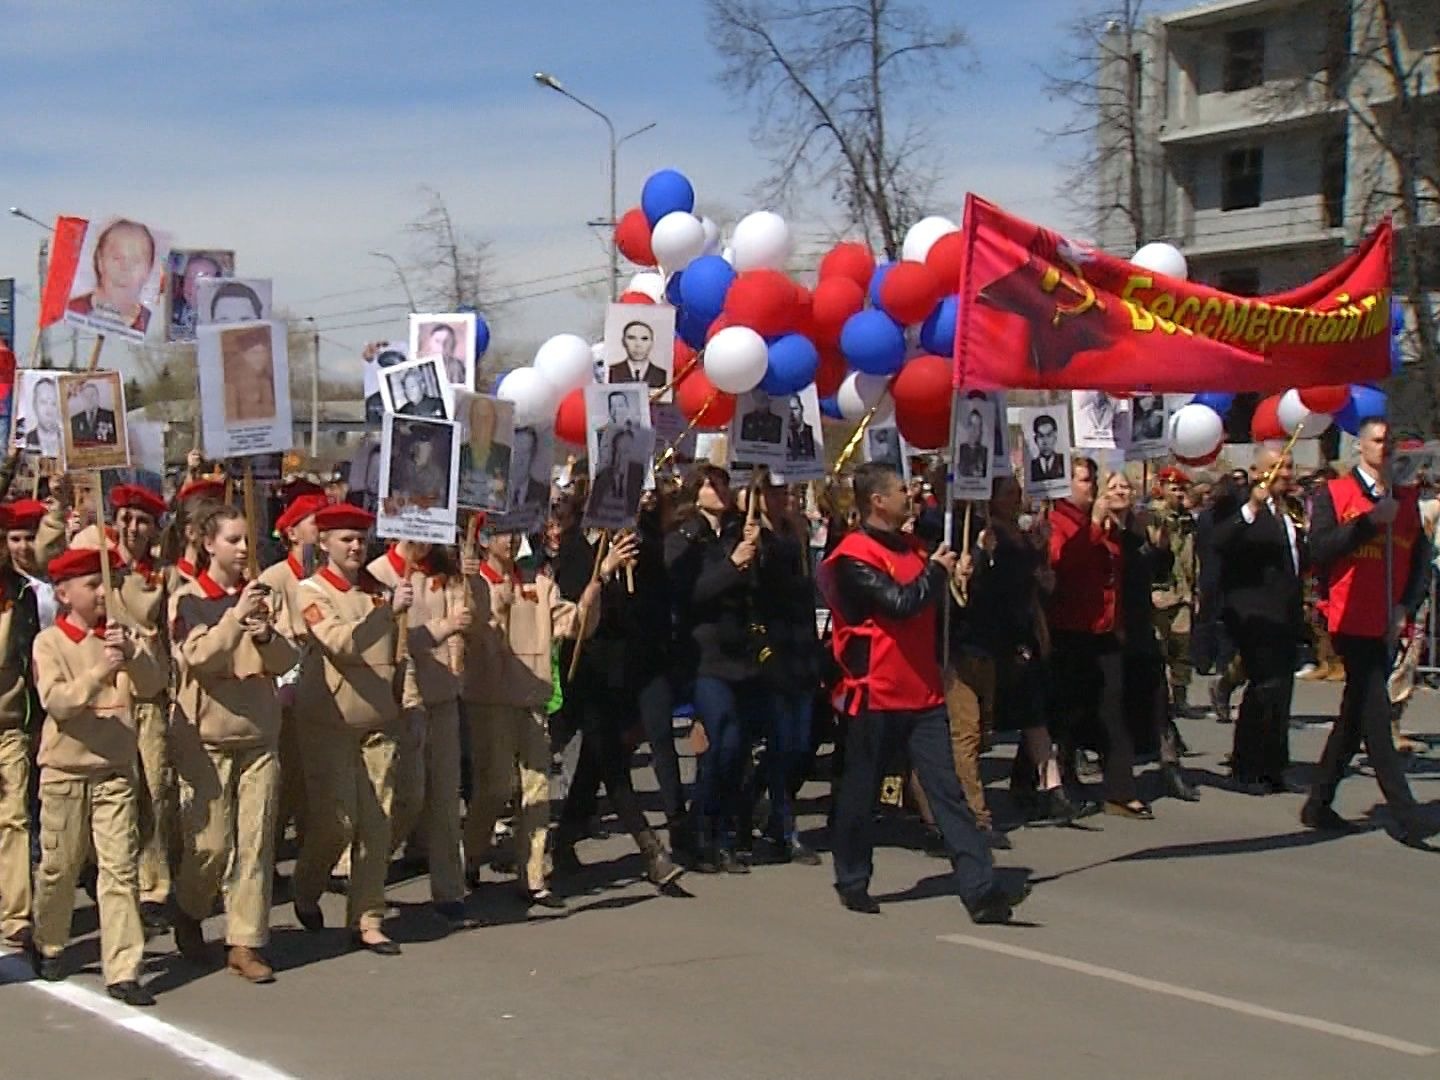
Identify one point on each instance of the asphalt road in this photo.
(1219, 940)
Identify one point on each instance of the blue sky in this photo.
(301, 133)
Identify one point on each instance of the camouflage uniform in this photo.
(1173, 601)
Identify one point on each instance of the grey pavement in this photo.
(1272, 952)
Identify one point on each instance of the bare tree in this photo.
(451, 267)
(1104, 77)
(841, 88)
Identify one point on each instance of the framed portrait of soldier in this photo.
(613, 407)
(882, 444)
(116, 279)
(417, 388)
(1000, 434)
(532, 458)
(419, 469)
(231, 300)
(187, 269)
(39, 423)
(450, 339)
(94, 435)
(617, 478)
(487, 431)
(244, 389)
(758, 429)
(640, 346)
(1046, 431)
(804, 439)
(973, 454)
(1101, 421)
(1149, 425)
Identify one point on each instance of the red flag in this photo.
(1040, 312)
(60, 275)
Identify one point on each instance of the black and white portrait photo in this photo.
(449, 338)
(804, 438)
(531, 459)
(882, 443)
(1147, 419)
(617, 478)
(1102, 422)
(37, 413)
(612, 408)
(1047, 450)
(232, 300)
(758, 431)
(417, 388)
(640, 345)
(419, 465)
(973, 449)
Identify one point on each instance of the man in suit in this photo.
(92, 425)
(1262, 554)
(615, 492)
(638, 340)
(760, 424)
(1047, 465)
(799, 436)
(44, 438)
(972, 457)
(416, 402)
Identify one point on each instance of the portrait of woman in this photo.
(123, 261)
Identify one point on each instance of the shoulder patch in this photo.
(313, 615)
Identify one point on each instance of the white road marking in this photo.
(1218, 1001)
(14, 968)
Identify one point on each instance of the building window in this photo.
(1244, 59)
(1332, 180)
(1137, 81)
(1241, 281)
(1240, 182)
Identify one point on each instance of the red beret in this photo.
(299, 509)
(79, 562)
(24, 514)
(344, 516)
(1172, 475)
(135, 497)
(207, 487)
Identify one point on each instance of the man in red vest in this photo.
(1368, 537)
(885, 596)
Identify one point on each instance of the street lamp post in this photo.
(552, 83)
(399, 273)
(314, 387)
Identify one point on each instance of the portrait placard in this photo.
(757, 432)
(94, 430)
(487, 431)
(378, 358)
(232, 300)
(1046, 432)
(974, 453)
(532, 458)
(640, 345)
(804, 439)
(1150, 425)
(244, 389)
(450, 339)
(419, 464)
(882, 444)
(39, 423)
(187, 269)
(417, 388)
(1100, 421)
(617, 477)
(116, 279)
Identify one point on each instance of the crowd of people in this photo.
(176, 708)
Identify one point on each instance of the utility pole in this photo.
(43, 268)
(314, 387)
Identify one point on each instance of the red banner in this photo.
(1038, 312)
(60, 274)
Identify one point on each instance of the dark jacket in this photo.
(713, 600)
(861, 590)
(785, 604)
(1258, 581)
(1331, 541)
(1145, 567)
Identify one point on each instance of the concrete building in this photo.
(1264, 133)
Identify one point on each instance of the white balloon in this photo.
(761, 241)
(678, 239)
(736, 359)
(1196, 431)
(566, 362)
(860, 392)
(728, 254)
(1293, 416)
(712, 236)
(650, 283)
(921, 236)
(534, 396)
(1163, 259)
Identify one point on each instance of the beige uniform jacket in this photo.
(507, 651)
(431, 676)
(348, 677)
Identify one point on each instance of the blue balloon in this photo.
(482, 335)
(1216, 400)
(1365, 402)
(873, 342)
(664, 193)
(707, 281)
(937, 332)
(793, 363)
(876, 278)
(692, 328)
(672, 288)
(831, 408)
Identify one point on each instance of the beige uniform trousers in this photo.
(228, 800)
(349, 786)
(502, 739)
(970, 703)
(74, 814)
(427, 793)
(157, 800)
(14, 832)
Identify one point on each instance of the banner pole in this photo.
(951, 468)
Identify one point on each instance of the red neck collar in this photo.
(213, 590)
(490, 574)
(336, 581)
(295, 567)
(186, 568)
(75, 633)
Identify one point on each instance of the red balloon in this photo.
(570, 423)
(848, 260)
(804, 311)
(763, 300)
(1265, 423)
(1208, 459)
(831, 372)
(696, 396)
(684, 357)
(721, 322)
(835, 300)
(922, 393)
(1325, 399)
(909, 292)
(636, 298)
(947, 260)
(632, 237)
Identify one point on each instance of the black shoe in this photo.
(455, 915)
(1177, 785)
(338, 884)
(565, 861)
(1412, 830)
(1220, 703)
(730, 863)
(707, 861)
(1244, 786)
(799, 853)
(997, 905)
(131, 993)
(1324, 818)
(858, 899)
(152, 918)
(997, 840)
(545, 898)
(1278, 785)
(190, 938)
(379, 948)
(49, 968)
(472, 879)
(934, 843)
(1135, 809)
(312, 919)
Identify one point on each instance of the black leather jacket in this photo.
(861, 590)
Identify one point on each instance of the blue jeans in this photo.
(729, 710)
(787, 744)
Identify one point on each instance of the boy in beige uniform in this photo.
(427, 765)
(89, 674)
(348, 702)
(506, 687)
(226, 733)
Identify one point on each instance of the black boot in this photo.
(658, 866)
(1177, 785)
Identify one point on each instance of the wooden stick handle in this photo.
(95, 352)
(252, 552)
(104, 540)
(600, 549)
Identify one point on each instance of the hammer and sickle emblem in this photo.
(1053, 279)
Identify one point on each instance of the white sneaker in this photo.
(1305, 669)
